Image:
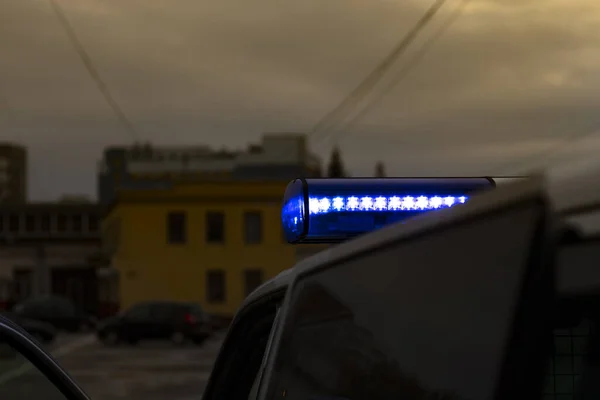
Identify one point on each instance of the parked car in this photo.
(57, 311)
(41, 331)
(178, 322)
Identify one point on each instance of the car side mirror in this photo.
(28, 372)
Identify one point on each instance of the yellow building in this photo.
(210, 243)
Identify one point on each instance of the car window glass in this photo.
(239, 363)
(20, 379)
(425, 318)
(140, 312)
(167, 312)
(254, 391)
(197, 311)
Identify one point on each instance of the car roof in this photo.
(46, 298)
(279, 282)
(164, 303)
(570, 187)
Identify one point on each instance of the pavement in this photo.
(148, 371)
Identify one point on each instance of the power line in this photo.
(553, 151)
(375, 76)
(408, 67)
(92, 70)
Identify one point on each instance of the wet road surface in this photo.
(148, 371)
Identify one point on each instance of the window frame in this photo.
(14, 223)
(60, 218)
(45, 218)
(227, 368)
(176, 229)
(222, 237)
(31, 223)
(77, 222)
(147, 306)
(209, 298)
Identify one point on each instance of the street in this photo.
(149, 371)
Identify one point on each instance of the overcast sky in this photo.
(509, 81)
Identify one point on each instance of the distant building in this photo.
(279, 157)
(52, 248)
(75, 199)
(209, 242)
(13, 173)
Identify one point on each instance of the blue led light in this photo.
(323, 205)
(334, 210)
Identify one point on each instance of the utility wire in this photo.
(367, 85)
(405, 71)
(93, 71)
(553, 151)
(375, 76)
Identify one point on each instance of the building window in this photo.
(77, 221)
(61, 223)
(93, 224)
(253, 227)
(14, 223)
(215, 227)
(30, 223)
(215, 286)
(176, 227)
(111, 237)
(253, 278)
(45, 223)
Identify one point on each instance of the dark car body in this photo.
(159, 320)
(57, 311)
(42, 332)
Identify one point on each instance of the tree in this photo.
(335, 169)
(380, 170)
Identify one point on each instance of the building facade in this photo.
(278, 157)
(13, 173)
(50, 248)
(211, 243)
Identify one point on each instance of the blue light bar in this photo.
(334, 210)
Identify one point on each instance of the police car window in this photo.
(408, 321)
(239, 364)
(259, 376)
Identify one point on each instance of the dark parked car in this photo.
(42, 332)
(57, 311)
(160, 320)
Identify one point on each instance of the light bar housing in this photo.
(325, 210)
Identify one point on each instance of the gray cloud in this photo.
(508, 80)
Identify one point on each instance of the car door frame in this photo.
(230, 347)
(422, 224)
(17, 338)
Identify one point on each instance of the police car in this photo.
(438, 289)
